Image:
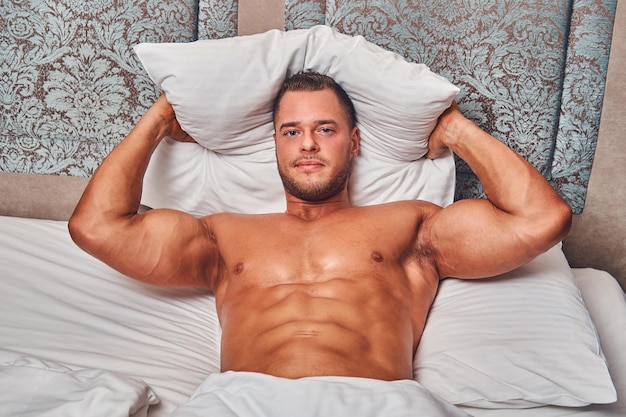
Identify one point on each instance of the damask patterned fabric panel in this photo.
(70, 85)
(217, 19)
(304, 14)
(506, 55)
(583, 92)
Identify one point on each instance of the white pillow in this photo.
(520, 340)
(222, 92)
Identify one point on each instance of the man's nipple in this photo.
(377, 256)
(238, 268)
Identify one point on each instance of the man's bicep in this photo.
(167, 248)
(473, 239)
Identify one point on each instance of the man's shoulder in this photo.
(420, 206)
(232, 219)
(409, 214)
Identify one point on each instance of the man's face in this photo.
(314, 144)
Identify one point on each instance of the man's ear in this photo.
(355, 138)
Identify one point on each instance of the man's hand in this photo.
(444, 131)
(164, 110)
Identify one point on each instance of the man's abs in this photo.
(345, 327)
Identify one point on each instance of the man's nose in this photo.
(309, 142)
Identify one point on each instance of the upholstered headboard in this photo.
(531, 72)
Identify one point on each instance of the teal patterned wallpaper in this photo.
(531, 71)
(70, 86)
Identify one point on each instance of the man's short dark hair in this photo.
(313, 81)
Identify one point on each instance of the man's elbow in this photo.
(563, 219)
(556, 223)
(85, 231)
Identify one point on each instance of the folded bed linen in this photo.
(249, 394)
(30, 387)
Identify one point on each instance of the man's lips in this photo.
(308, 164)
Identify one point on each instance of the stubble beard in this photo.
(315, 191)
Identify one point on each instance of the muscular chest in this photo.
(279, 249)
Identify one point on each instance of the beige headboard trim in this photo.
(257, 16)
(598, 237)
(39, 196)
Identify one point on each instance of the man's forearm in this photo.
(511, 183)
(113, 194)
(115, 188)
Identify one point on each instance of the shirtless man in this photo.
(324, 288)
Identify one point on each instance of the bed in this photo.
(99, 344)
(78, 338)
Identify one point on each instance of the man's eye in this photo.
(326, 130)
(290, 133)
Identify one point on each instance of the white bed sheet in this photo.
(59, 304)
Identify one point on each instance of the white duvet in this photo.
(249, 394)
(30, 387)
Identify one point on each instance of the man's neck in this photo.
(311, 211)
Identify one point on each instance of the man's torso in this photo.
(346, 294)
